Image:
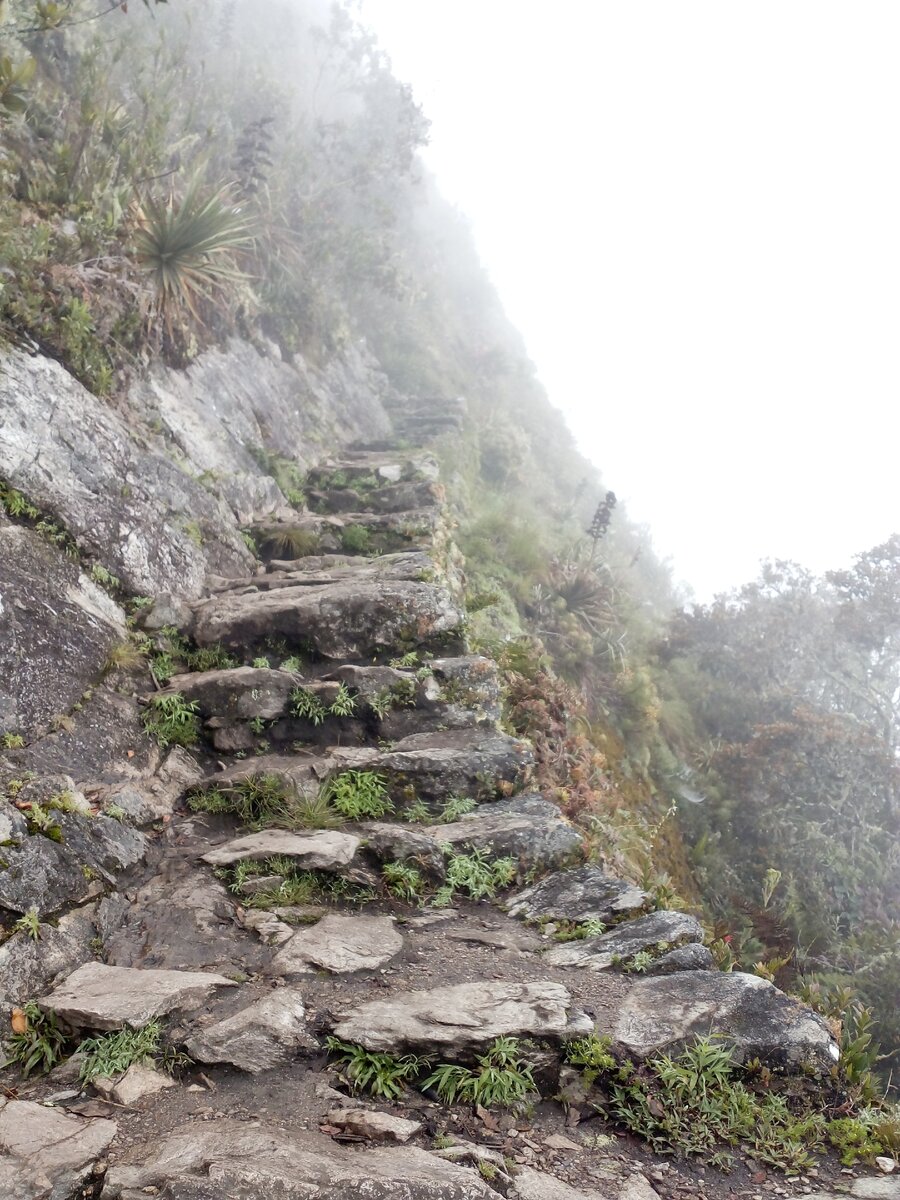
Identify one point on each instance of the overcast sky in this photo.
(692, 212)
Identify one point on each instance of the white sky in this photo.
(691, 210)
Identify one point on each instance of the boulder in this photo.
(71, 453)
(322, 849)
(237, 694)
(137, 1082)
(662, 1015)
(582, 894)
(97, 996)
(372, 1125)
(526, 828)
(56, 629)
(692, 957)
(464, 1016)
(29, 967)
(654, 933)
(538, 1185)
(337, 621)
(220, 1158)
(47, 1154)
(476, 763)
(266, 1033)
(180, 920)
(104, 845)
(41, 874)
(339, 943)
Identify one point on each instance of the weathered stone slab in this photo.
(322, 850)
(137, 1082)
(28, 966)
(339, 620)
(41, 874)
(479, 763)
(97, 996)
(651, 933)
(340, 943)
(692, 957)
(373, 1125)
(265, 1034)
(582, 894)
(463, 1016)
(233, 1158)
(661, 1015)
(46, 1154)
(526, 828)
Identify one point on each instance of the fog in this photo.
(690, 212)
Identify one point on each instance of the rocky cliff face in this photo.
(277, 827)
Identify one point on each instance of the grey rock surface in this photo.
(338, 620)
(136, 1084)
(29, 967)
(340, 943)
(323, 849)
(582, 894)
(476, 763)
(661, 1015)
(650, 933)
(265, 1034)
(692, 957)
(463, 1016)
(41, 874)
(46, 1154)
(98, 996)
(373, 1125)
(56, 629)
(230, 1160)
(526, 828)
(125, 504)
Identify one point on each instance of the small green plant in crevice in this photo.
(126, 656)
(40, 820)
(29, 924)
(592, 1053)
(261, 664)
(171, 720)
(577, 931)
(381, 1075)
(294, 886)
(104, 578)
(289, 543)
(455, 807)
(355, 539)
(406, 662)
(380, 703)
(12, 741)
(39, 1046)
(344, 703)
(111, 1054)
(503, 1077)
(359, 794)
(259, 801)
(476, 875)
(403, 880)
(854, 1139)
(487, 1170)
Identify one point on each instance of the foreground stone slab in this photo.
(653, 933)
(265, 1034)
(352, 620)
(97, 996)
(479, 763)
(340, 943)
(324, 850)
(221, 1160)
(46, 1154)
(137, 1082)
(663, 1014)
(526, 828)
(460, 1017)
(583, 894)
(376, 1126)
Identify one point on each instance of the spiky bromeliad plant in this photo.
(188, 247)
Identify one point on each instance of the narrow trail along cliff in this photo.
(354, 875)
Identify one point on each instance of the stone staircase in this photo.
(254, 944)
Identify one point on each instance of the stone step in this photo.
(242, 707)
(393, 498)
(427, 767)
(358, 532)
(579, 895)
(384, 467)
(344, 621)
(655, 934)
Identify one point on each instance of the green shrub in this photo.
(380, 1075)
(359, 794)
(172, 720)
(355, 539)
(403, 880)
(503, 1077)
(40, 1046)
(476, 874)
